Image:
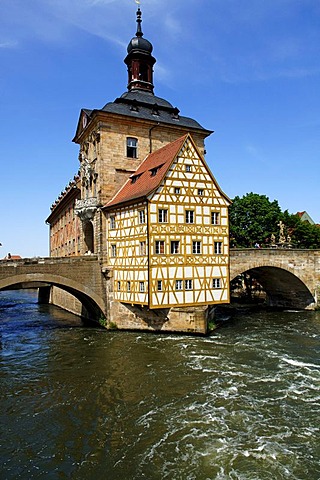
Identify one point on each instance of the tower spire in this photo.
(140, 60)
(139, 21)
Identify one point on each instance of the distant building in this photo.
(305, 217)
(9, 256)
(144, 199)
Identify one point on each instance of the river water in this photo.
(83, 403)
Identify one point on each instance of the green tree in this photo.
(253, 219)
(303, 234)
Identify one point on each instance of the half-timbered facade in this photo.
(146, 204)
(168, 232)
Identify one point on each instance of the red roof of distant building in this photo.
(12, 257)
(149, 174)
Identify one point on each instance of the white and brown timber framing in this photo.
(179, 255)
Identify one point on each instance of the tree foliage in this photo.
(254, 219)
(303, 234)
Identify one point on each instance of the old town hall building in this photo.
(144, 200)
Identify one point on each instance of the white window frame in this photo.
(163, 215)
(218, 248)
(196, 247)
(142, 216)
(157, 247)
(215, 218)
(142, 247)
(174, 247)
(216, 283)
(132, 147)
(189, 214)
(112, 222)
(179, 285)
(188, 284)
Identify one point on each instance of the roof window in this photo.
(134, 178)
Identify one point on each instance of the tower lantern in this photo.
(140, 61)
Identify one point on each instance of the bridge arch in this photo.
(94, 305)
(284, 289)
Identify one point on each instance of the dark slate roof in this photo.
(145, 105)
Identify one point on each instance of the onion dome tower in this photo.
(140, 61)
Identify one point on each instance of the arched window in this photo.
(143, 73)
(89, 238)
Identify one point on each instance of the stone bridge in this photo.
(290, 277)
(81, 277)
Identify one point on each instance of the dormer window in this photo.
(155, 110)
(155, 170)
(175, 113)
(134, 106)
(132, 147)
(134, 178)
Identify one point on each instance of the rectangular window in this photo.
(112, 222)
(162, 215)
(216, 283)
(196, 247)
(179, 284)
(189, 216)
(159, 247)
(188, 284)
(200, 192)
(142, 249)
(174, 247)
(218, 247)
(113, 250)
(132, 147)
(119, 286)
(188, 168)
(159, 285)
(142, 216)
(215, 218)
(128, 286)
(141, 287)
(177, 190)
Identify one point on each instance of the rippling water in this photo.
(83, 403)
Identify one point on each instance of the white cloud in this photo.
(9, 44)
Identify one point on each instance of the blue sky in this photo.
(247, 69)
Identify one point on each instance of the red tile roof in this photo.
(149, 174)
